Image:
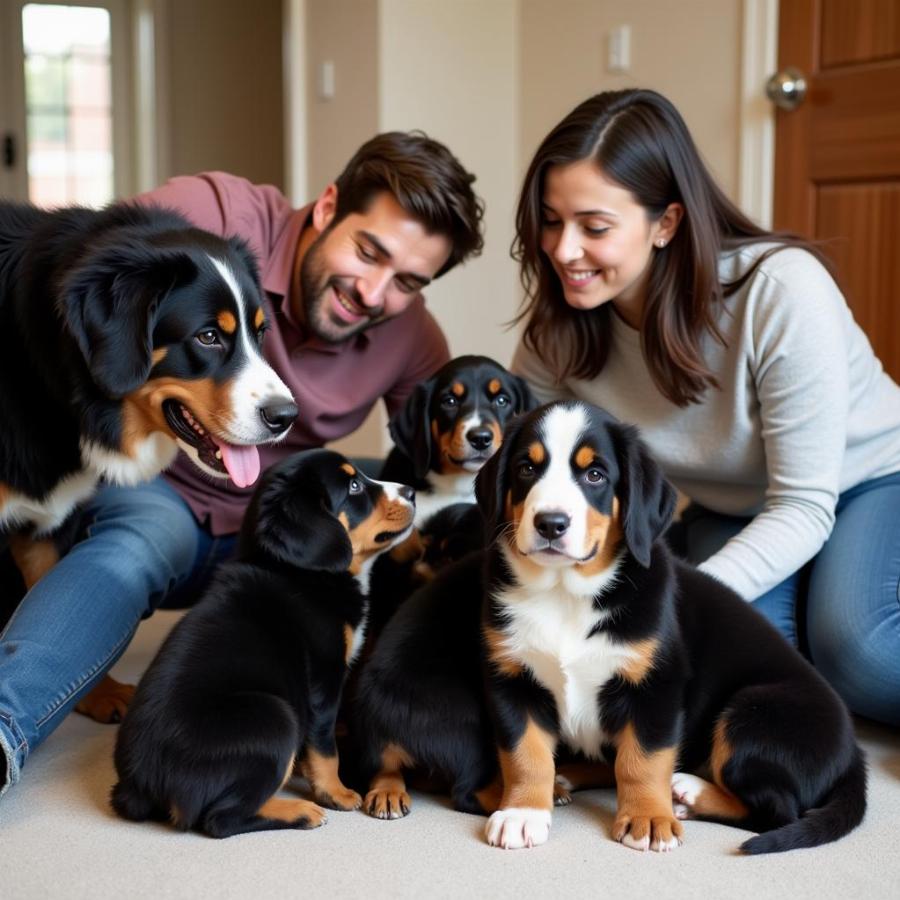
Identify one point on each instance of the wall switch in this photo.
(326, 80)
(618, 49)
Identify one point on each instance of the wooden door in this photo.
(837, 155)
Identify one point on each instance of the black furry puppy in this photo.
(590, 637)
(450, 426)
(249, 682)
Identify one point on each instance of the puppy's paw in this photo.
(648, 832)
(338, 797)
(518, 827)
(107, 702)
(685, 791)
(562, 788)
(302, 814)
(382, 804)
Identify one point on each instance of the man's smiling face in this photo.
(365, 268)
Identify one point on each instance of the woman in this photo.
(649, 293)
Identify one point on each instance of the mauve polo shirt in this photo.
(334, 385)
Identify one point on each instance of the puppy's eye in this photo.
(448, 401)
(355, 486)
(501, 400)
(526, 470)
(594, 476)
(209, 337)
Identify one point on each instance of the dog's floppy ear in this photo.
(411, 428)
(290, 520)
(110, 304)
(490, 482)
(523, 399)
(647, 499)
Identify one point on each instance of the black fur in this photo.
(251, 678)
(792, 759)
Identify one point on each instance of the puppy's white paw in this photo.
(518, 827)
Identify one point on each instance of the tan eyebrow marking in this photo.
(259, 319)
(494, 386)
(348, 468)
(158, 355)
(584, 457)
(227, 322)
(536, 453)
(457, 389)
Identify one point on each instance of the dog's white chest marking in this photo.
(548, 633)
(48, 514)
(448, 489)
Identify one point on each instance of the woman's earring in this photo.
(661, 243)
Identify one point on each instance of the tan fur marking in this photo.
(34, 557)
(537, 453)
(528, 770)
(387, 791)
(227, 321)
(498, 654)
(322, 772)
(491, 795)
(635, 670)
(346, 467)
(292, 810)
(494, 386)
(604, 532)
(388, 515)
(644, 790)
(457, 389)
(496, 434)
(716, 799)
(452, 444)
(411, 549)
(259, 319)
(584, 456)
(348, 641)
(158, 355)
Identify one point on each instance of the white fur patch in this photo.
(447, 489)
(518, 827)
(49, 513)
(153, 454)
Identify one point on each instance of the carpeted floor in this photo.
(59, 838)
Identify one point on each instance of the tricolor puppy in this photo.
(596, 637)
(451, 425)
(248, 684)
(124, 334)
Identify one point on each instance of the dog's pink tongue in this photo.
(242, 463)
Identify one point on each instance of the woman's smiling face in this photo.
(598, 239)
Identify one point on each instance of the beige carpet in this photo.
(59, 838)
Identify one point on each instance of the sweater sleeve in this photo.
(798, 357)
(526, 364)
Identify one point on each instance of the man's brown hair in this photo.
(425, 178)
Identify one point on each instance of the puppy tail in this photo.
(841, 812)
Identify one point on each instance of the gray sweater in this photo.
(804, 412)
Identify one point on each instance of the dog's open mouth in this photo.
(239, 463)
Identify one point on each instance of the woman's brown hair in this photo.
(639, 140)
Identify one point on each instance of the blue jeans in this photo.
(846, 600)
(142, 548)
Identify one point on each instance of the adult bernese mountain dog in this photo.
(248, 684)
(125, 333)
(577, 631)
(451, 425)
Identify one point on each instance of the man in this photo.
(347, 327)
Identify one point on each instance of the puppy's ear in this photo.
(523, 399)
(647, 499)
(490, 482)
(411, 428)
(290, 520)
(110, 305)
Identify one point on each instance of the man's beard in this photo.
(316, 288)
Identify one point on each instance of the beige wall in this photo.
(224, 108)
(689, 50)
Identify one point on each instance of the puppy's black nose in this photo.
(407, 493)
(480, 438)
(278, 415)
(552, 525)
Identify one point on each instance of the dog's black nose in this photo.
(552, 525)
(480, 438)
(278, 415)
(407, 493)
